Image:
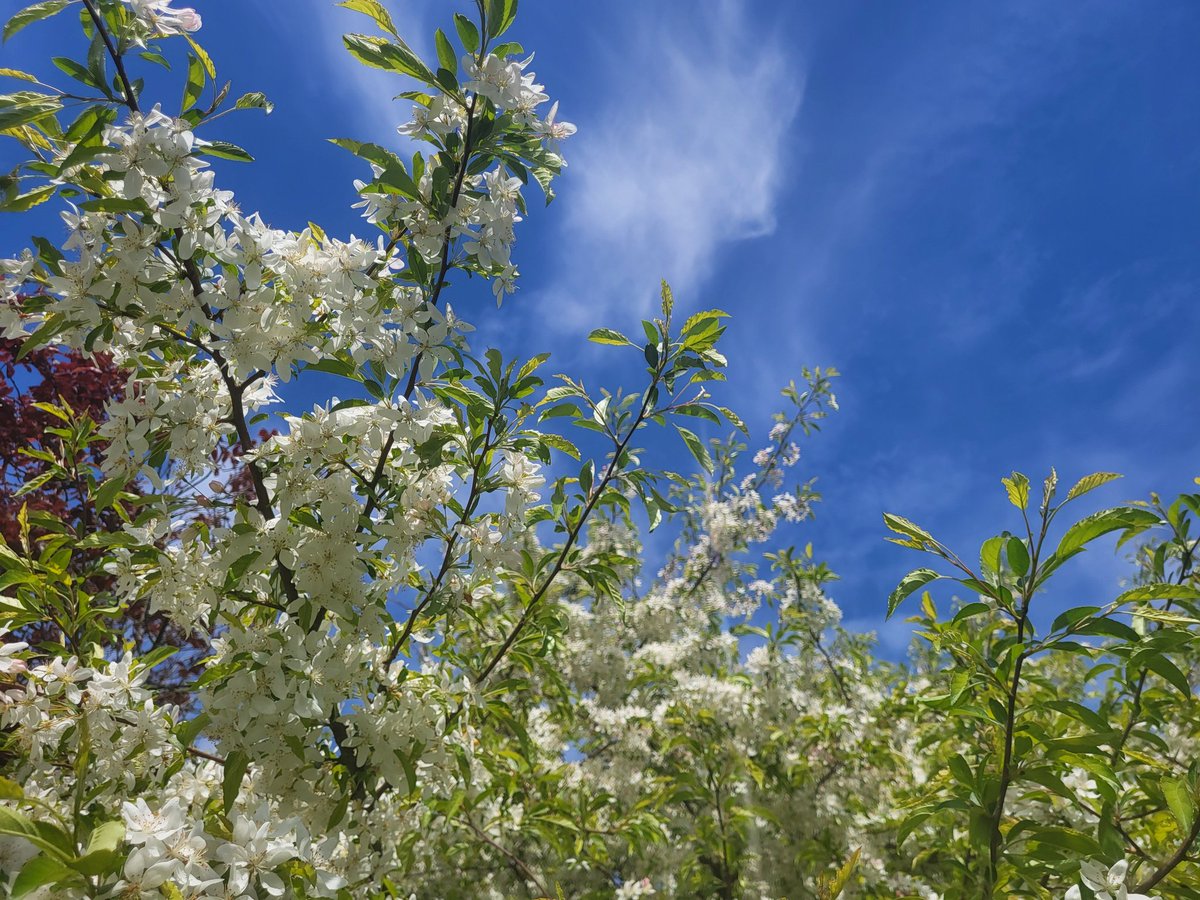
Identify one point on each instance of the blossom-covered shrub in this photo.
(434, 658)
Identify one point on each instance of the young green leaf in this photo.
(34, 13)
(697, 448)
(236, 764)
(376, 10)
(1182, 804)
(609, 336)
(1017, 486)
(1090, 483)
(913, 581)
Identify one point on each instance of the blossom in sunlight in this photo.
(1106, 883)
(163, 20)
(553, 132)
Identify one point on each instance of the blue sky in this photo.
(986, 215)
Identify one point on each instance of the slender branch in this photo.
(1176, 858)
(439, 283)
(451, 543)
(521, 867)
(573, 535)
(1010, 719)
(116, 56)
(202, 754)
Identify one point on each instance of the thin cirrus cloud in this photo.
(677, 159)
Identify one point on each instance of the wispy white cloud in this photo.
(685, 154)
(368, 92)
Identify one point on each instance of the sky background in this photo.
(986, 216)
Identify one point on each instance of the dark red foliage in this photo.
(45, 375)
(52, 375)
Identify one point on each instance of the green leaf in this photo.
(224, 150)
(394, 172)
(901, 525)
(380, 53)
(989, 553)
(23, 202)
(35, 13)
(236, 764)
(41, 871)
(1160, 665)
(107, 492)
(10, 790)
(1018, 556)
(913, 581)
(560, 443)
(202, 55)
(1166, 616)
(609, 336)
(101, 850)
(376, 11)
(194, 86)
(74, 70)
(255, 100)
(17, 73)
(113, 204)
(1162, 590)
(445, 52)
(467, 32)
(500, 15)
(1088, 529)
(187, 731)
(1090, 483)
(734, 420)
(1179, 799)
(1017, 486)
(698, 411)
(697, 448)
(43, 835)
(24, 107)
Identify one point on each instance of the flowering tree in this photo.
(429, 669)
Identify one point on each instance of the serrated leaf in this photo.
(224, 150)
(194, 86)
(1090, 483)
(375, 10)
(1017, 487)
(255, 100)
(1101, 523)
(1165, 616)
(560, 443)
(609, 336)
(380, 53)
(34, 13)
(901, 525)
(201, 54)
(25, 107)
(1159, 591)
(27, 201)
(697, 448)
(734, 420)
